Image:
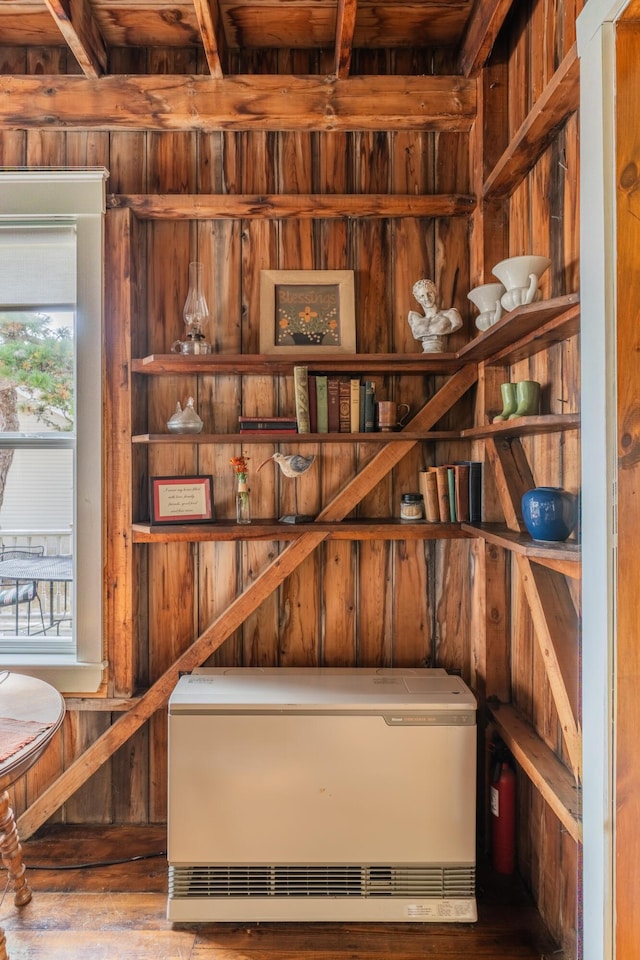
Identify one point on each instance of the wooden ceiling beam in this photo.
(326, 206)
(345, 29)
(82, 35)
(267, 103)
(483, 27)
(210, 23)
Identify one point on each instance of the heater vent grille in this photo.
(416, 881)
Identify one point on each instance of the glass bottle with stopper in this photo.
(196, 315)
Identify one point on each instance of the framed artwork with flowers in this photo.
(307, 310)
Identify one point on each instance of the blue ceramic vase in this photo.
(549, 513)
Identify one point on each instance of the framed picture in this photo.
(307, 310)
(181, 499)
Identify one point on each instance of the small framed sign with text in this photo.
(181, 499)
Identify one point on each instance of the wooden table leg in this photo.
(12, 853)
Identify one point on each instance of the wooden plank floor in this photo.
(117, 912)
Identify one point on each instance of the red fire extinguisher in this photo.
(503, 814)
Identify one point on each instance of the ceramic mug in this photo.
(390, 416)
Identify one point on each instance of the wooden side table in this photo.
(31, 711)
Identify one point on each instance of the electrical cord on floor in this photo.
(97, 863)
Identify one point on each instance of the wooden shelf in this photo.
(270, 529)
(525, 331)
(565, 557)
(271, 364)
(276, 437)
(550, 777)
(518, 334)
(524, 426)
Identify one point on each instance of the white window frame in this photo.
(78, 194)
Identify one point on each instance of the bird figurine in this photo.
(292, 466)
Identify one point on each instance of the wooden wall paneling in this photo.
(488, 230)
(519, 104)
(219, 249)
(172, 606)
(171, 157)
(340, 605)
(122, 325)
(517, 34)
(489, 653)
(44, 773)
(13, 146)
(452, 612)
(542, 39)
(255, 161)
(627, 659)
(211, 170)
(569, 161)
(46, 148)
(127, 148)
(522, 647)
(13, 62)
(412, 559)
(374, 333)
(569, 902)
(556, 629)
(129, 799)
(127, 162)
(91, 802)
(89, 149)
(345, 612)
(301, 593)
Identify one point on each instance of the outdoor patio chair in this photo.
(20, 591)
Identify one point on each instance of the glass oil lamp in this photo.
(196, 315)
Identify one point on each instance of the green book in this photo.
(451, 478)
(301, 387)
(322, 405)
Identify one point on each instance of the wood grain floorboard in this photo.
(118, 912)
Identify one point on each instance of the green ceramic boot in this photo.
(527, 399)
(509, 402)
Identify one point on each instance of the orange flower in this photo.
(240, 465)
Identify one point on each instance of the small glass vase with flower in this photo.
(243, 508)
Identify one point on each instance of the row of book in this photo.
(333, 404)
(452, 492)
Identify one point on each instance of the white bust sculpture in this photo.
(434, 325)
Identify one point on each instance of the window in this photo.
(51, 227)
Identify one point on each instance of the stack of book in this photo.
(333, 404)
(273, 424)
(453, 492)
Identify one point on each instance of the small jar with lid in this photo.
(411, 506)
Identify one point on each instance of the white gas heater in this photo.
(321, 794)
